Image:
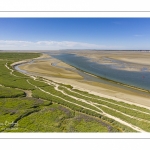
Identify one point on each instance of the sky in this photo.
(74, 33)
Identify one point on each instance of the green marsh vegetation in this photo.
(17, 112)
(120, 106)
(62, 119)
(133, 114)
(63, 110)
(10, 92)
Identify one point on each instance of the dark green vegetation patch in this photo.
(10, 92)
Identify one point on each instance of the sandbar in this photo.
(66, 74)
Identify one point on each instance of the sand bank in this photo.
(45, 69)
(122, 60)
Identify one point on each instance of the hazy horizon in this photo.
(74, 33)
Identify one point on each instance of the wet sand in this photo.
(44, 68)
(137, 57)
(123, 60)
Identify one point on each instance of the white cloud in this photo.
(46, 45)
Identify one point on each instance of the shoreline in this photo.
(86, 89)
(113, 81)
(135, 80)
(106, 92)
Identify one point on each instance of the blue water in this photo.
(139, 79)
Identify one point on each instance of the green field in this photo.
(56, 107)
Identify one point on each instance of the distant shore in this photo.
(129, 59)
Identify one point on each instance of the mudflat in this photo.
(51, 67)
(130, 60)
(63, 73)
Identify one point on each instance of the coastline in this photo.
(109, 80)
(100, 89)
(135, 79)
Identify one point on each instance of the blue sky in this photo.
(74, 33)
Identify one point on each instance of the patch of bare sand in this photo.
(54, 61)
(45, 67)
(43, 56)
(129, 56)
(135, 57)
(130, 60)
(28, 93)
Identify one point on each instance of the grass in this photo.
(9, 80)
(70, 99)
(9, 56)
(39, 94)
(118, 126)
(50, 110)
(121, 107)
(10, 92)
(95, 97)
(143, 125)
(61, 119)
(37, 83)
(12, 109)
(15, 83)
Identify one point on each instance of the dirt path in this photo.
(11, 73)
(93, 104)
(61, 98)
(132, 117)
(103, 113)
(107, 101)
